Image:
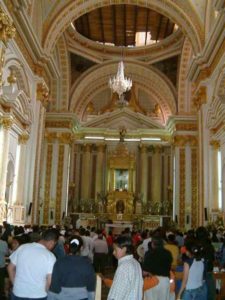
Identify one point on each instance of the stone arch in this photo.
(97, 77)
(180, 12)
(184, 85)
(216, 111)
(60, 87)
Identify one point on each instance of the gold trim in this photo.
(200, 97)
(215, 144)
(194, 188)
(48, 176)
(58, 202)
(23, 138)
(182, 189)
(42, 93)
(7, 29)
(7, 123)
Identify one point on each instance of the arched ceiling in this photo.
(151, 80)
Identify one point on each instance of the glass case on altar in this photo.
(121, 181)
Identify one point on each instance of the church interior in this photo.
(112, 112)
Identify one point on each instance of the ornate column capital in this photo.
(7, 29)
(7, 123)
(143, 148)
(23, 138)
(87, 147)
(215, 144)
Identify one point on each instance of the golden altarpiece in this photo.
(121, 182)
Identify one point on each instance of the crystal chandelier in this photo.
(120, 84)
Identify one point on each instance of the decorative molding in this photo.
(48, 176)
(215, 144)
(7, 123)
(7, 29)
(23, 138)
(180, 12)
(182, 140)
(182, 189)
(62, 137)
(42, 93)
(58, 203)
(194, 188)
(186, 127)
(200, 97)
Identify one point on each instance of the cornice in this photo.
(61, 120)
(29, 44)
(203, 65)
(182, 123)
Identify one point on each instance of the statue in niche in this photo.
(123, 132)
(120, 207)
(102, 201)
(157, 110)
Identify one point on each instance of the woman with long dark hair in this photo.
(192, 286)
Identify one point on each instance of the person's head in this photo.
(194, 249)
(75, 244)
(171, 238)
(49, 238)
(122, 246)
(202, 233)
(157, 242)
(82, 231)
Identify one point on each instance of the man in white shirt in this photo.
(31, 267)
(127, 282)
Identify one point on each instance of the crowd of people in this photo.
(61, 263)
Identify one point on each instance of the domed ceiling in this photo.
(124, 25)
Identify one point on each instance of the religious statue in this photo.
(120, 207)
(102, 201)
(157, 110)
(123, 132)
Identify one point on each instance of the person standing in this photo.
(100, 249)
(157, 262)
(192, 286)
(3, 252)
(127, 282)
(73, 276)
(31, 266)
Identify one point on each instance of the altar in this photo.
(118, 227)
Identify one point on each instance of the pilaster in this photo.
(144, 172)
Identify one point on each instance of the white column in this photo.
(7, 124)
(85, 190)
(22, 168)
(99, 169)
(214, 173)
(156, 175)
(144, 172)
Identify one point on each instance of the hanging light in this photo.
(120, 84)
